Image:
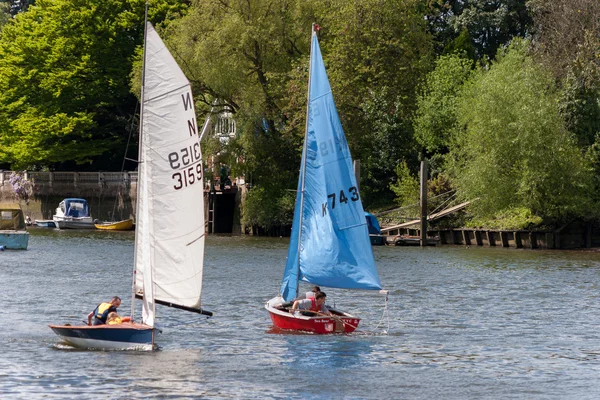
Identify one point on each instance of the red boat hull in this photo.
(338, 323)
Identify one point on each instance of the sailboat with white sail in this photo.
(170, 231)
(330, 244)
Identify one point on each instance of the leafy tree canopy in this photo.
(64, 93)
(515, 151)
(376, 52)
(436, 117)
(491, 24)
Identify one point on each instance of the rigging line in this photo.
(386, 313)
(410, 205)
(121, 183)
(443, 204)
(195, 240)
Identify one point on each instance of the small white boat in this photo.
(73, 213)
(13, 233)
(45, 223)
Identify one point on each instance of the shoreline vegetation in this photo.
(502, 100)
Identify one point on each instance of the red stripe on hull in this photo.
(320, 324)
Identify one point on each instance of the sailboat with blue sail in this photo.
(330, 244)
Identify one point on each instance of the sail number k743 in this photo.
(188, 162)
(342, 199)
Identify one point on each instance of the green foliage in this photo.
(515, 151)
(390, 140)
(376, 53)
(246, 55)
(406, 186)
(436, 118)
(4, 13)
(580, 107)
(593, 157)
(512, 218)
(490, 24)
(64, 95)
(462, 44)
(268, 209)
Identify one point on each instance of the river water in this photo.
(464, 323)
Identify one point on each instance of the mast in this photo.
(303, 162)
(141, 127)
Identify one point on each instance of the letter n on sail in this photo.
(189, 104)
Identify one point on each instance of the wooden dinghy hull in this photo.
(125, 225)
(125, 336)
(339, 323)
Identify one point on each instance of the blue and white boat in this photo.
(170, 233)
(13, 233)
(73, 213)
(329, 245)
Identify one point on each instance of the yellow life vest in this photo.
(114, 321)
(102, 308)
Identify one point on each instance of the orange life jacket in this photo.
(314, 306)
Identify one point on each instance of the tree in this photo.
(64, 93)
(491, 24)
(515, 151)
(376, 53)
(4, 13)
(437, 114)
(567, 42)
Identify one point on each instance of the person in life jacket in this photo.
(316, 304)
(307, 295)
(113, 319)
(100, 313)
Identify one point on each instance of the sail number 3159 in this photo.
(189, 163)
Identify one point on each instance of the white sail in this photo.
(170, 214)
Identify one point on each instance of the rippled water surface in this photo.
(465, 323)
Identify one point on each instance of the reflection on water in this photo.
(464, 323)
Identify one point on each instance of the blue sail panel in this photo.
(335, 250)
(289, 285)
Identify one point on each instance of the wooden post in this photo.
(504, 238)
(478, 239)
(423, 203)
(533, 240)
(466, 238)
(588, 235)
(491, 239)
(518, 241)
(211, 208)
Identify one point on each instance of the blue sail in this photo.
(330, 243)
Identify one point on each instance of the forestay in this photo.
(330, 243)
(170, 219)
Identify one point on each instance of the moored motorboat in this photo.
(125, 225)
(73, 213)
